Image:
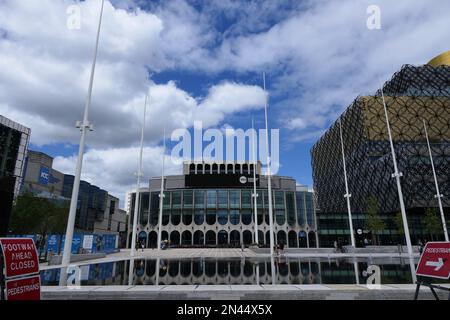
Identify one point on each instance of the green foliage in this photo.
(432, 223)
(374, 223)
(398, 221)
(34, 215)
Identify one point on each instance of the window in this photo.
(166, 201)
(187, 217)
(222, 217)
(234, 217)
(211, 198)
(175, 216)
(234, 199)
(279, 199)
(210, 216)
(187, 199)
(200, 199)
(290, 208)
(246, 199)
(222, 196)
(280, 217)
(165, 217)
(300, 208)
(246, 217)
(199, 217)
(176, 200)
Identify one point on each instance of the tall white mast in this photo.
(438, 193)
(255, 195)
(347, 195)
(269, 186)
(161, 194)
(137, 199)
(139, 174)
(397, 176)
(84, 126)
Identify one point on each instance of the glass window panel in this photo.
(280, 217)
(222, 217)
(176, 199)
(210, 216)
(290, 208)
(222, 196)
(234, 199)
(188, 199)
(211, 198)
(279, 199)
(199, 217)
(246, 217)
(246, 199)
(234, 217)
(200, 199)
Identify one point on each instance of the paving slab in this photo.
(310, 287)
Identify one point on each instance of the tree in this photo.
(374, 223)
(432, 224)
(398, 221)
(35, 215)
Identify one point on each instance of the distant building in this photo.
(41, 179)
(14, 139)
(211, 204)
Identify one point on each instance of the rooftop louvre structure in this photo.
(414, 94)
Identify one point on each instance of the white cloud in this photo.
(114, 169)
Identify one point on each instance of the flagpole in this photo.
(269, 185)
(438, 193)
(84, 126)
(137, 201)
(397, 176)
(161, 194)
(255, 195)
(347, 195)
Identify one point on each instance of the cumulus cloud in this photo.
(319, 55)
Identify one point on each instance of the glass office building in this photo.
(14, 139)
(413, 95)
(212, 205)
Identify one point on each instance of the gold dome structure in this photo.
(442, 59)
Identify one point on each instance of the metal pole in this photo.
(269, 185)
(397, 176)
(438, 194)
(84, 126)
(137, 201)
(255, 195)
(347, 195)
(161, 194)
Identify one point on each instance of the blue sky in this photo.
(199, 60)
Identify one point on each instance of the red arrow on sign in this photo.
(435, 260)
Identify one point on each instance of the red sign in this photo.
(24, 289)
(20, 256)
(435, 260)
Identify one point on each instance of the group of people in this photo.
(338, 246)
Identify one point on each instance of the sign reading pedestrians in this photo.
(28, 288)
(435, 260)
(20, 256)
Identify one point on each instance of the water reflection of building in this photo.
(211, 204)
(238, 271)
(413, 93)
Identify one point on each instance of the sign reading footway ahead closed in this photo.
(435, 260)
(20, 256)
